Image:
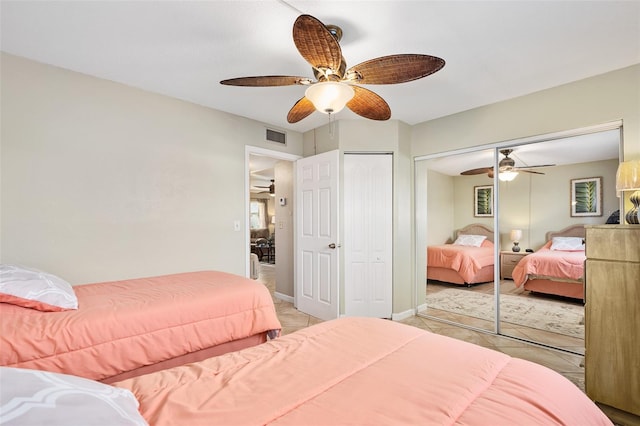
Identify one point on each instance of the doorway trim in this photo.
(250, 150)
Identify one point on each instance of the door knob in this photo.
(333, 245)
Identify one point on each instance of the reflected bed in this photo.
(553, 269)
(463, 264)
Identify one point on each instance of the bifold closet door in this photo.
(368, 225)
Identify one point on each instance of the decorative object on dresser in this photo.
(508, 261)
(628, 179)
(612, 328)
(515, 236)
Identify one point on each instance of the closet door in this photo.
(368, 202)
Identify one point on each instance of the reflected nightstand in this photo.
(508, 261)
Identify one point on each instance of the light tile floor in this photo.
(567, 364)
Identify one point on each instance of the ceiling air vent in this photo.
(275, 136)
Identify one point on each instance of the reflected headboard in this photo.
(569, 231)
(476, 229)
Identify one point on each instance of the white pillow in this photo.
(33, 397)
(567, 243)
(470, 240)
(35, 289)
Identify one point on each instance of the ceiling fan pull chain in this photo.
(332, 125)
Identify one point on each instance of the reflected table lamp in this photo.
(628, 179)
(515, 236)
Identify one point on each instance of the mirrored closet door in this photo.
(457, 239)
(560, 186)
(555, 187)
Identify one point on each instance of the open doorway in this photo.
(270, 217)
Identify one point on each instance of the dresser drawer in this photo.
(613, 243)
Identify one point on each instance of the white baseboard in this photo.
(403, 315)
(284, 297)
(421, 308)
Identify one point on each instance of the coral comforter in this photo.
(550, 264)
(362, 371)
(123, 325)
(466, 260)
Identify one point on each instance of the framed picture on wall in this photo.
(483, 201)
(586, 197)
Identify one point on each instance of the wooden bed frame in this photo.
(451, 276)
(565, 288)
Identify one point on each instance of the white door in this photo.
(368, 233)
(317, 245)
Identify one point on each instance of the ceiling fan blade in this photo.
(266, 81)
(479, 171)
(394, 69)
(316, 44)
(369, 105)
(527, 171)
(302, 109)
(536, 166)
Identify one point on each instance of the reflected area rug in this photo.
(548, 315)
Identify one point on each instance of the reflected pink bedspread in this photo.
(467, 261)
(123, 325)
(564, 265)
(362, 371)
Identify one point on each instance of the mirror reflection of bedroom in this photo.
(536, 259)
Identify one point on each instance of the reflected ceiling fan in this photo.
(272, 187)
(335, 85)
(507, 168)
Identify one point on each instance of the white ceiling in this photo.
(494, 50)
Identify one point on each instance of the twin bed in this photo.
(558, 267)
(157, 342)
(344, 371)
(468, 260)
(120, 329)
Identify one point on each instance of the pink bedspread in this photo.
(124, 325)
(546, 263)
(467, 261)
(362, 371)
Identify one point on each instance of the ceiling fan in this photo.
(272, 187)
(507, 168)
(335, 85)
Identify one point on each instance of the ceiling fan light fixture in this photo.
(329, 97)
(507, 176)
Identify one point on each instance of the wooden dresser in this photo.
(612, 320)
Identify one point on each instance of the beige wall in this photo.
(284, 228)
(601, 99)
(101, 181)
(536, 204)
(548, 209)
